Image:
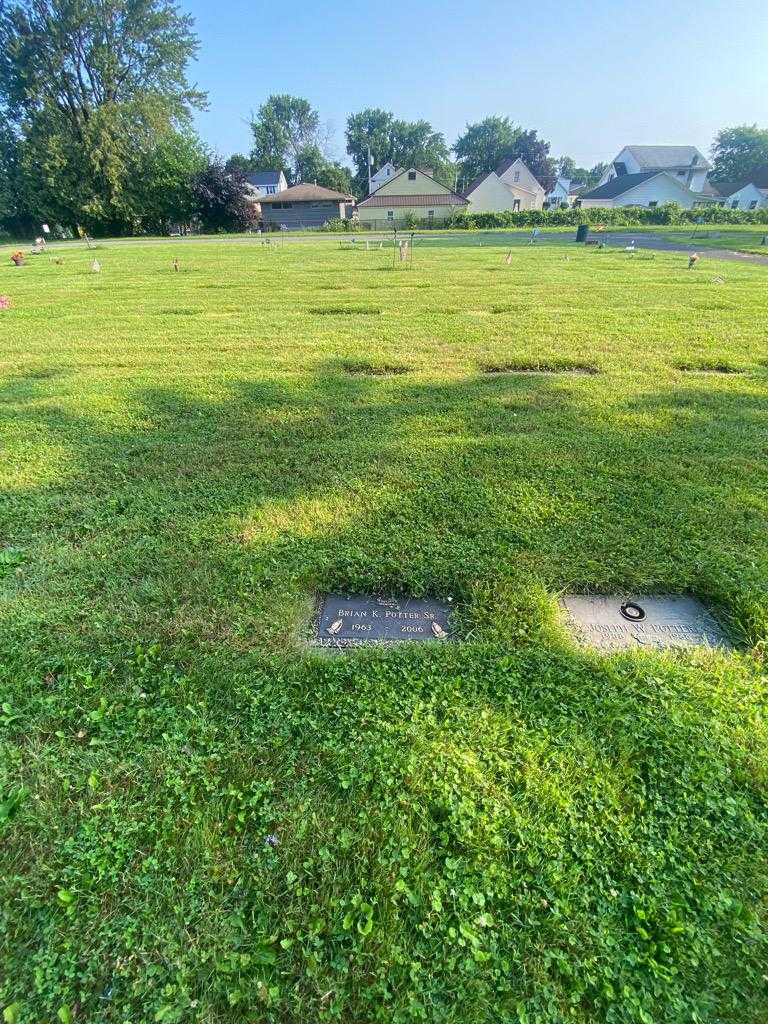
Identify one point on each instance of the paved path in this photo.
(621, 239)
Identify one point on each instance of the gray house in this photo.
(266, 183)
(305, 206)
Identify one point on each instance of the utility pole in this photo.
(369, 168)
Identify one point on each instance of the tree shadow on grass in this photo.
(223, 508)
(556, 811)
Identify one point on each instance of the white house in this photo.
(383, 175)
(564, 193)
(751, 194)
(266, 183)
(652, 188)
(685, 163)
(515, 174)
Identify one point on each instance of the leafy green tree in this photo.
(404, 143)
(484, 145)
(534, 153)
(567, 168)
(90, 87)
(223, 200)
(240, 162)
(283, 128)
(312, 166)
(739, 152)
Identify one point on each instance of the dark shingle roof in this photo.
(261, 178)
(305, 194)
(618, 186)
(727, 188)
(437, 199)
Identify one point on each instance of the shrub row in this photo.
(629, 216)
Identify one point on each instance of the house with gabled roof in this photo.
(305, 206)
(651, 188)
(565, 192)
(750, 193)
(410, 192)
(266, 183)
(684, 163)
(382, 176)
(510, 187)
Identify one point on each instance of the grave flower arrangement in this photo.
(5, 302)
(18, 258)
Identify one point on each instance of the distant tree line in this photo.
(96, 130)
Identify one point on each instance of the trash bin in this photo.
(581, 232)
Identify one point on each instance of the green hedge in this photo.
(628, 216)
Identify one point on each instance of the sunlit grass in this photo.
(508, 828)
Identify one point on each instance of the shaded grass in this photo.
(202, 822)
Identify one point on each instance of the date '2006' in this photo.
(360, 627)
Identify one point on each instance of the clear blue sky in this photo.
(590, 75)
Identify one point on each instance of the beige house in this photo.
(411, 192)
(510, 187)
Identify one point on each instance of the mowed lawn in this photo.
(201, 820)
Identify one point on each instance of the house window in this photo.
(390, 214)
(411, 175)
(654, 203)
(287, 206)
(517, 175)
(271, 189)
(277, 206)
(430, 215)
(735, 204)
(753, 204)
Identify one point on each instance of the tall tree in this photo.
(283, 127)
(567, 167)
(739, 152)
(404, 143)
(484, 145)
(222, 198)
(90, 85)
(534, 153)
(312, 166)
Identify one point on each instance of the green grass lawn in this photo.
(203, 821)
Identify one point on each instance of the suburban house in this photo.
(413, 192)
(652, 188)
(510, 187)
(513, 172)
(383, 175)
(266, 183)
(304, 206)
(751, 194)
(652, 176)
(564, 193)
(685, 163)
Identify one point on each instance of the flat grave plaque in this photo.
(650, 620)
(359, 620)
